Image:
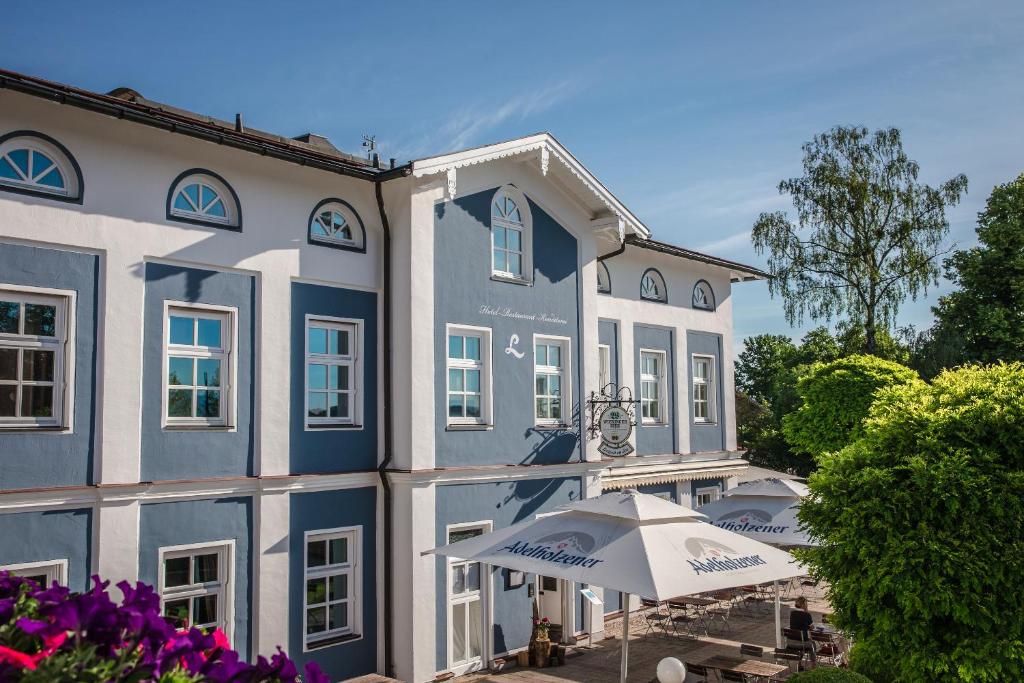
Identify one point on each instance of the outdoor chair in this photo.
(736, 676)
(657, 622)
(783, 656)
(828, 650)
(797, 642)
(751, 650)
(699, 671)
(719, 615)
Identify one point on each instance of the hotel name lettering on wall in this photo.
(506, 312)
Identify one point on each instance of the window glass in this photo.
(652, 286)
(329, 596)
(465, 378)
(335, 222)
(651, 390)
(193, 591)
(331, 364)
(506, 237)
(32, 351)
(703, 389)
(197, 362)
(23, 164)
(548, 382)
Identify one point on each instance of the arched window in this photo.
(703, 296)
(652, 286)
(36, 164)
(604, 279)
(202, 197)
(334, 223)
(511, 235)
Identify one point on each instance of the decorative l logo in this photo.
(511, 348)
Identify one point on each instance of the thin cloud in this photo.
(727, 244)
(467, 126)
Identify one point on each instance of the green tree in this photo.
(762, 358)
(986, 314)
(835, 399)
(919, 526)
(867, 234)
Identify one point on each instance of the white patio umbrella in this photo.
(630, 542)
(764, 510)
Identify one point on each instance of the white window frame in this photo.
(602, 268)
(659, 283)
(61, 161)
(63, 346)
(354, 361)
(352, 569)
(662, 384)
(351, 220)
(604, 366)
(223, 192)
(714, 492)
(712, 400)
(526, 236)
(565, 381)
(223, 587)
(228, 356)
(459, 667)
(483, 365)
(54, 570)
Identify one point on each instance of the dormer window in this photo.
(652, 286)
(510, 236)
(32, 163)
(204, 198)
(703, 296)
(334, 223)
(604, 279)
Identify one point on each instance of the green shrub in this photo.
(920, 529)
(836, 398)
(829, 675)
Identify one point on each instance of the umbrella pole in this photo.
(625, 637)
(778, 616)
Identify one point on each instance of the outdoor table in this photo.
(750, 667)
(693, 601)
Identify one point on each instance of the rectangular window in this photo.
(333, 372)
(705, 495)
(466, 586)
(331, 586)
(34, 338)
(198, 366)
(703, 389)
(194, 585)
(551, 380)
(652, 387)
(604, 366)
(43, 573)
(469, 351)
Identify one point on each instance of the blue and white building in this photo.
(265, 375)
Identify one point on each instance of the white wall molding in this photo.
(494, 473)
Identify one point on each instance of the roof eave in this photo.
(738, 272)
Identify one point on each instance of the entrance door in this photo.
(467, 599)
(550, 598)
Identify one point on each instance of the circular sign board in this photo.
(616, 426)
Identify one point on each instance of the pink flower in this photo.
(18, 660)
(220, 640)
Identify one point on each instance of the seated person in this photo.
(801, 620)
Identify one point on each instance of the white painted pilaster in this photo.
(116, 540)
(414, 583)
(270, 573)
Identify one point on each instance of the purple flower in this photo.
(314, 674)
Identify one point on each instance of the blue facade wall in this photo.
(203, 521)
(463, 288)
(323, 510)
(50, 535)
(183, 453)
(608, 333)
(656, 439)
(654, 489)
(516, 500)
(335, 449)
(703, 436)
(41, 459)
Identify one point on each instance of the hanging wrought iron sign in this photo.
(611, 418)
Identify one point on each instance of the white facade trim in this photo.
(495, 473)
(543, 146)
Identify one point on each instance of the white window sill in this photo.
(647, 423)
(336, 427)
(33, 428)
(705, 423)
(198, 428)
(511, 279)
(468, 427)
(331, 642)
(552, 425)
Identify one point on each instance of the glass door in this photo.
(467, 586)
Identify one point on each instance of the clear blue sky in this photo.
(690, 112)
